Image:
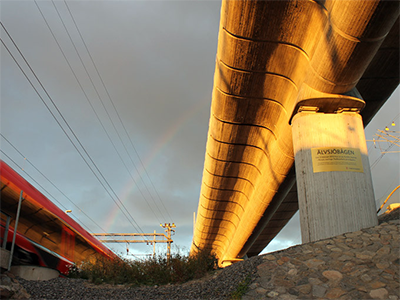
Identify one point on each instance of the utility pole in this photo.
(148, 241)
(168, 230)
(388, 138)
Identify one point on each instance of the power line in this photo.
(122, 123)
(15, 148)
(67, 126)
(119, 117)
(388, 138)
(23, 170)
(98, 95)
(373, 165)
(38, 184)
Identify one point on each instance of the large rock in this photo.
(10, 287)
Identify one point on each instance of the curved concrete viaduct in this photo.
(275, 61)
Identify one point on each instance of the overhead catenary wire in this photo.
(373, 165)
(41, 173)
(58, 122)
(119, 117)
(387, 138)
(61, 205)
(93, 109)
(52, 33)
(87, 228)
(41, 186)
(382, 153)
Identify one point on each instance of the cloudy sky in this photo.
(129, 83)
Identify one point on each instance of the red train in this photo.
(27, 252)
(46, 235)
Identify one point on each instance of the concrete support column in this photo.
(334, 181)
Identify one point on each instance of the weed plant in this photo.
(241, 289)
(151, 271)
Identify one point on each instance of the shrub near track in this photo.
(152, 271)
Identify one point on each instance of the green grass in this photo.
(241, 289)
(151, 271)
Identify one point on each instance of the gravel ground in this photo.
(218, 285)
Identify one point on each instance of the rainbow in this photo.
(160, 145)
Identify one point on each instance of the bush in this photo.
(152, 271)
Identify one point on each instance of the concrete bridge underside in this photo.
(273, 55)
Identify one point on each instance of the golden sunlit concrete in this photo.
(271, 56)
